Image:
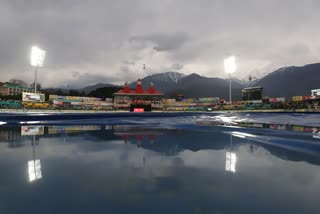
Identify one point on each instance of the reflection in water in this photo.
(72, 129)
(121, 169)
(32, 130)
(34, 170)
(147, 138)
(135, 134)
(34, 165)
(282, 127)
(316, 133)
(11, 136)
(231, 158)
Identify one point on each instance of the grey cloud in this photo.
(164, 42)
(128, 62)
(75, 74)
(82, 80)
(117, 36)
(177, 66)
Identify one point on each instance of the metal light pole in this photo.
(37, 59)
(35, 79)
(230, 94)
(230, 67)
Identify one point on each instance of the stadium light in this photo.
(230, 67)
(37, 59)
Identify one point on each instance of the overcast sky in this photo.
(91, 41)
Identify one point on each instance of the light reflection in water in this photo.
(231, 160)
(127, 165)
(34, 165)
(34, 170)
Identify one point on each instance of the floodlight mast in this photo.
(230, 67)
(230, 95)
(35, 79)
(37, 59)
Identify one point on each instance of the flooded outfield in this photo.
(158, 163)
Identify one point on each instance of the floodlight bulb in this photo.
(37, 56)
(230, 65)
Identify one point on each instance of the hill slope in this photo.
(90, 88)
(291, 81)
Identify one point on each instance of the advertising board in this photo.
(72, 98)
(272, 100)
(297, 98)
(281, 99)
(32, 97)
(209, 99)
(315, 93)
(307, 97)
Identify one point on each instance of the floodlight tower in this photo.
(37, 59)
(230, 67)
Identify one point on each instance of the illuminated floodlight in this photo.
(37, 59)
(37, 56)
(231, 160)
(34, 170)
(230, 65)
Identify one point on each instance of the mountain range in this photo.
(291, 81)
(284, 82)
(193, 85)
(90, 88)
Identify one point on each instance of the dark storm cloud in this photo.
(71, 32)
(113, 39)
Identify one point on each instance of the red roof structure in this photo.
(139, 90)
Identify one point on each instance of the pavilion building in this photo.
(126, 97)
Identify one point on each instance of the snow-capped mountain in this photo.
(168, 76)
(162, 81)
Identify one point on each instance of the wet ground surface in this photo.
(182, 164)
